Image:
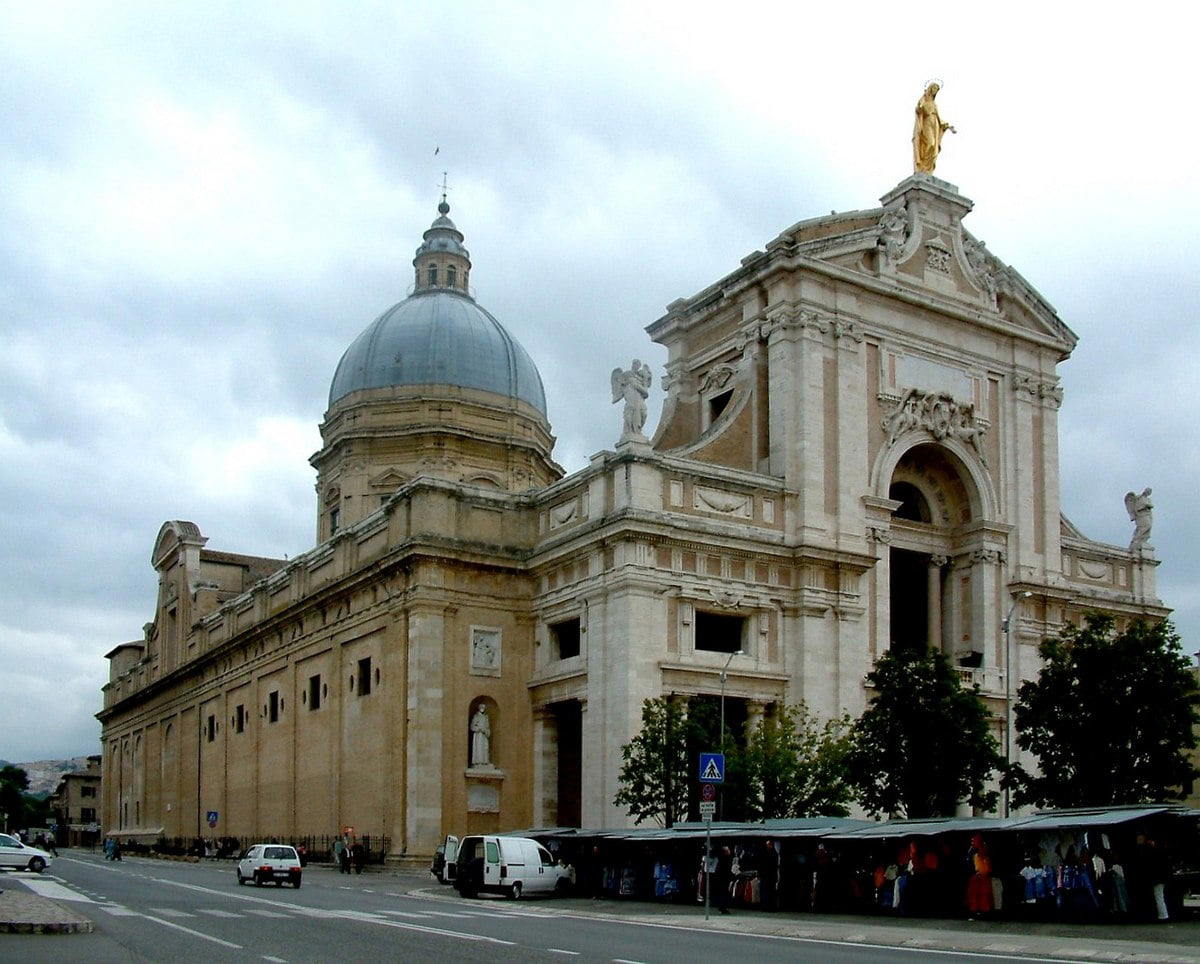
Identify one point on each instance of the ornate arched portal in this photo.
(944, 556)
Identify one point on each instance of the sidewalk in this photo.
(1169, 942)
(24, 912)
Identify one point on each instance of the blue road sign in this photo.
(712, 767)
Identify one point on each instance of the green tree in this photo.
(1110, 717)
(653, 780)
(924, 743)
(13, 783)
(795, 766)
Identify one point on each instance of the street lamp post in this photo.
(724, 674)
(1006, 628)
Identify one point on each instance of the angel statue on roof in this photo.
(632, 386)
(1141, 514)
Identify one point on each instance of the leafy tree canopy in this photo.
(653, 781)
(795, 766)
(1110, 717)
(924, 743)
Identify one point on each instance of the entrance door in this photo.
(909, 599)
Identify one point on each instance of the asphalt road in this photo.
(149, 910)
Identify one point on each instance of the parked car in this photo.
(444, 860)
(515, 866)
(13, 853)
(267, 862)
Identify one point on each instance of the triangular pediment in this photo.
(390, 478)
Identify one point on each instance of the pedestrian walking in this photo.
(341, 853)
(358, 854)
(722, 878)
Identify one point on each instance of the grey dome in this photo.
(438, 337)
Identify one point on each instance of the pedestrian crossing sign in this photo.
(712, 767)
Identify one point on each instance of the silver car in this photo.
(13, 853)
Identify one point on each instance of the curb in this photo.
(57, 927)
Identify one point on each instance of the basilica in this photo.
(858, 450)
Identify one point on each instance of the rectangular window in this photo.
(364, 676)
(334, 516)
(87, 815)
(720, 633)
(239, 718)
(210, 728)
(87, 791)
(314, 692)
(273, 707)
(566, 637)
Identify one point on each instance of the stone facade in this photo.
(858, 450)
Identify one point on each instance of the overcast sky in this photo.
(201, 205)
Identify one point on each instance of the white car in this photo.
(13, 853)
(266, 862)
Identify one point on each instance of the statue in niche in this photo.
(928, 129)
(1141, 514)
(481, 738)
(632, 386)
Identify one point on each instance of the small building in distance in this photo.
(75, 806)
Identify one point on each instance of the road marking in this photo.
(277, 960)
(188, 930)
(55, 891)
(559, 950)
(213, 912)
(623, 960)
(118, 911)
(170, 912)
(267, 913)
(402, 913)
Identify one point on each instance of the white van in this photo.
(508, 865)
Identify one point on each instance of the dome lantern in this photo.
(441, 261)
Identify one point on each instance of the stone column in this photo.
(935, 634)
(545, 767)
(424, 769)
(755, 711)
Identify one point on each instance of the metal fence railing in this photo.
(317, 847)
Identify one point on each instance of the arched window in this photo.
(915, 508)
(432, 274)
(452, 276)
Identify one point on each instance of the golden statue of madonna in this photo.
(928, 129)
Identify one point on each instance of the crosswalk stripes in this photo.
(267, 913)
(213, 912)
(170, 912)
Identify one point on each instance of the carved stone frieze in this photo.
(560, 515)
(939, 414)
(987, 556)
(726, 503)
(893, 232)
(879, 535)
(1044, 390)
(717, 378)
(847, 329)
(729, 598)
(982, 266)
(937, 256)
